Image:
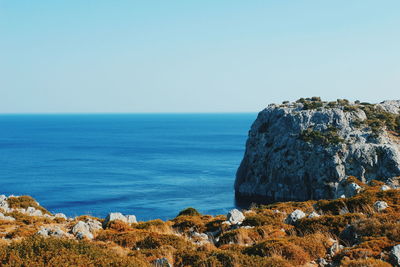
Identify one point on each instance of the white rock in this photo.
(43, 232)
(4, 205)
(295, 216)
(113, 217)
(131, 218)
(313, 215)
(6, 218)
(395, 254)
(335, 248)
(51, 231)
(3, 197)
(86, 229)
(80, 227)
(93, 225)
(60, 215)
(37, 213)
(30, 210)
(162, 262)
(83, 235)
(235, 216)
(380, 205)
(322, 262)
(82, 230)
(385, 187)
(200, 235)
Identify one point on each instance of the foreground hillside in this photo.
(363, 230)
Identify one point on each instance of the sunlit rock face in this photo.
(303, 150)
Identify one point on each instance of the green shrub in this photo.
(328, 137)
(189, 212)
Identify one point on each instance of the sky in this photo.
(126, 56)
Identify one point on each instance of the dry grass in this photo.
(264, 239)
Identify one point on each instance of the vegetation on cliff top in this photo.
(377, 119)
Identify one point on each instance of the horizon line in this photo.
(128, 113)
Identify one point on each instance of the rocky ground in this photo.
(360, 228)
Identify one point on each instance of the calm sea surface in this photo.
(149, 165)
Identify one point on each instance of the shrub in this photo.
(185, 223)
(258, 220)
(312, 105)
(327, 223)
(377, 119)
(125, 239)
(189, 212)
(314, 244)
(289, 251)
(328, 137)
(240, 236)
(24, 202)
(38, 251)
(118, 226)
(364, 263)
(157, 225)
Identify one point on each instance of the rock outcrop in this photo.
(303, 150)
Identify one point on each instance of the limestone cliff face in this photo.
(303, 150)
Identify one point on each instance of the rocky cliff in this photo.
(305, 150)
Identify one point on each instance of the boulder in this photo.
(31, 211)
(51, 231)
(346, 189)
(313, 215)
(380, 205)
(6, 218)
(4, 203)
(84, 235)
(60, 215)
(82, 230)
(385, 187)
(131, 218)
(334, 249)
(93, 225)
(113, 216)
(395, 255)
(161, 262)
(295, 216)
(303, 150)
(235, 216)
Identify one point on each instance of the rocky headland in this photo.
(306, 149)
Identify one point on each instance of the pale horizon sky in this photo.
(97, 56)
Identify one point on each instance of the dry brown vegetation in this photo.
(263, 239)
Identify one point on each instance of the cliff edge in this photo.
(306, 149)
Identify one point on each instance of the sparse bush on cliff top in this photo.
(327, 137)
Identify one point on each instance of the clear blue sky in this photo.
(194, 56)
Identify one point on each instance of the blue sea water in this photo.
(150, 165)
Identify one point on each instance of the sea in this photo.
(149, 165)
